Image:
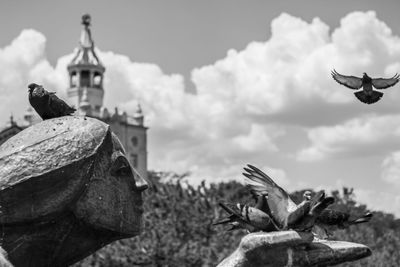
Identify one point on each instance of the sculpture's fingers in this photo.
(327, 253)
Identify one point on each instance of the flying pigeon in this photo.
(367, 95)
(285, 213)
(245, 217)
(47, 104)
(330, 220)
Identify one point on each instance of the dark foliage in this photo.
(178, 228)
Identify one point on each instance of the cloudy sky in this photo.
(225, 83)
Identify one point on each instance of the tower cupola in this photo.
(86, 73)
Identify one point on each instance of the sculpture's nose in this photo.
(140, 183)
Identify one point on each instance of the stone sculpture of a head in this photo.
(66, 190)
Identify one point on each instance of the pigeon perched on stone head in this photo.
(367, 95)
(47, 104)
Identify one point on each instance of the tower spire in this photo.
(86, 73)
(86, 53)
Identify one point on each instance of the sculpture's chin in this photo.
(134, 228)
(126, 226)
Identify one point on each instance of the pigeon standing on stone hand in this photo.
(252, 219)
(367, 95)
(47, 104)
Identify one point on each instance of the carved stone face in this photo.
(113, 197)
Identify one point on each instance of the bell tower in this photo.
(86, 74)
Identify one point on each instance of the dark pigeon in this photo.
(245, 217)
(47, 104)
(284, 212)
(367, 95)
(330, 220)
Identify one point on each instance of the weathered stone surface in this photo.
(40, 158)
(47, 146)
(290, 248)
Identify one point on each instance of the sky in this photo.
(226, 83)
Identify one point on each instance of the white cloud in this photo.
(16, 62)
(186, 134)
(258, 139)
(292, 68)
(391, 168)
(367, 133)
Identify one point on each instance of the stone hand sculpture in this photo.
(290, 248)
(66, 190)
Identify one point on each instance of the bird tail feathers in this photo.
(223, 221)
(366, 218)
(233, 211)
(233, 227)
(368, 99)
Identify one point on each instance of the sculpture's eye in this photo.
(121, 167)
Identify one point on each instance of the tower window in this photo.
(134, 141)
(134, 160)
(85, 78)
(97, 80)
(74, 79)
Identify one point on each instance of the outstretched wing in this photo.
(351, 82)
(278, 199)
(382, 83)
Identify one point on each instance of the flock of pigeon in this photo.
(276, 211)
